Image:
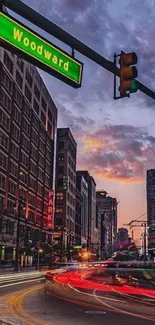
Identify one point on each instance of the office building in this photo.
(27, 154)
(78, 220)
(108, 210)
(82, 186)
(92, 232)
(65, 201)
(150, 189)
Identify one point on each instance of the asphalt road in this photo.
(63, 304)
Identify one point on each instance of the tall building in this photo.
(108, 208)
(98, 226)
(150, 188)
(27, 154)
(82, 186)
(92, 234)
(65, 201)
(78, 221)
(122, 237)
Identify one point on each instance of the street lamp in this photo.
(40, 251)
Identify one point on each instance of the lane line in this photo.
(122, 311)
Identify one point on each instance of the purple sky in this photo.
(116, 139)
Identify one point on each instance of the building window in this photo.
(50, 115)
(14, 150)
(22, 193)
(35, 137)
(28, 78)
(43, 104)
(12, 188)
(24, 159)
(48, 167)
(43, 118)
(7, 82)
(35, 122)
(34, 152)
(4, 140)
(40, 189)
(16, 132)
(28, 94)
(41, 174)
(41, 160)
(3, 160)
(17, 114)
(42, 145)
(31, 199)
(31, 216)
(27, 110)
(24, 177)
(48, 154)
(33, 183)
(5, 120)
(42, 132)
(36, 106)
(11, 207)
(33, 167)
(5, 99)
(49, 128)
(26, 126)
(13, 169)
(20, 64)
(8, 63)
(47, 181)
(19, 80)
(37, 92)
(25, 142)
(38, 219)
(2, 181)
(18, 96)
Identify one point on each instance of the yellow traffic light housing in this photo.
(128, 73)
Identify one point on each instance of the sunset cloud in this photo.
(118, 152)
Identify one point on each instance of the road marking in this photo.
(122, 311)
(95, 312)
(21, 282)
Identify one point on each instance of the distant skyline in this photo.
(116, 139)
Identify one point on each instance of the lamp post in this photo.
(38, 261)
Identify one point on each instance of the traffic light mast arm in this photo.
(28, 13)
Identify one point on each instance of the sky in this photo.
(115, 139)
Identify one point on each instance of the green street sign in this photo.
(37, 50)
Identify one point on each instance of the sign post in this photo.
(34, 48)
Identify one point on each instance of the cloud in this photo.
(118, 152)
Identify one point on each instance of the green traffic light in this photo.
(133, 88)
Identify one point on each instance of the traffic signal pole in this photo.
(34, 17)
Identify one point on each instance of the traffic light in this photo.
(65, 183)
(128, 73)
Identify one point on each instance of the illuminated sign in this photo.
(50, 210)
(37, 50)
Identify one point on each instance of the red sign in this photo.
(50, 210)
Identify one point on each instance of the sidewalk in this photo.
(22, 270)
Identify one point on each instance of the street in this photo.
(70, 298)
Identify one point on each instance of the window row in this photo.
(5, 99)
(7, 82)
(5, 120)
